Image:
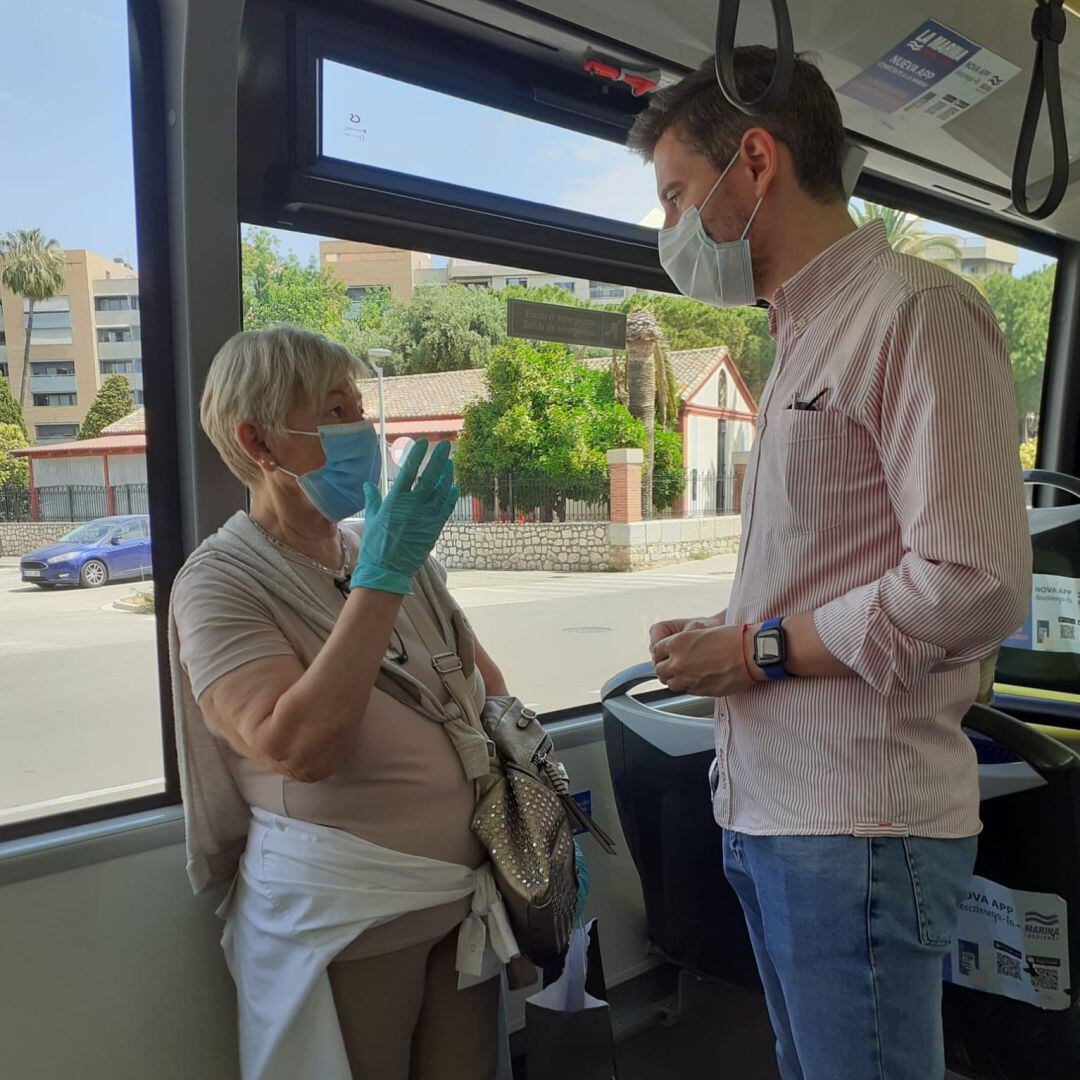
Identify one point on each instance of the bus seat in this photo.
(1045, 652)
(659, 761)
(1030, 841)
(659, 754)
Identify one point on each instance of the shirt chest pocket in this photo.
(812, 454)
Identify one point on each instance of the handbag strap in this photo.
(462, 720)
(438, 642)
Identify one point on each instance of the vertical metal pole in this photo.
(382, 430)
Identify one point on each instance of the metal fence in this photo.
(72, 502)
(526, 500)
(14, 502)
(690, 493)
(131, 499)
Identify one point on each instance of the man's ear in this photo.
(760, 156)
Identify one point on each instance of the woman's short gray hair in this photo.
(259, 376)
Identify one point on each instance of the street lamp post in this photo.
(381, 355)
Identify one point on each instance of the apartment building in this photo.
(981, 257)
(89, 331)
(370, 268)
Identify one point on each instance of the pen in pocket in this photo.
(808, 406)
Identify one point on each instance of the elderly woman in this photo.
(339, 808)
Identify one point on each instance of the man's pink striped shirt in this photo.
(894, 511)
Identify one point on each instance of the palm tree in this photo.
(905, 234)
(643, 336)
(667, 390)
(33, 268)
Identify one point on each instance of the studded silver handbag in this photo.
(525, 817)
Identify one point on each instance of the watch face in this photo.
(768, 647)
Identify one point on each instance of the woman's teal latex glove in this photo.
(401, 530)
(582, 881)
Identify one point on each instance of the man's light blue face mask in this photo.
(717, 274)
(336, 488)
(723, 274)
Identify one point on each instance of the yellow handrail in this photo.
(1041, 695)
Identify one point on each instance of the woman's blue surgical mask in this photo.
(717, 274)
(336, 488)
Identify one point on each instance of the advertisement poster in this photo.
(1012, 943)
(1053, 614)
(932, 76)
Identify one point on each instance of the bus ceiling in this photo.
(951, 136)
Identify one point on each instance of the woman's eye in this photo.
(337, 411)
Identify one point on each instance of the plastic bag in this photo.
(568, 1032)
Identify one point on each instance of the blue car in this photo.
(108, 549)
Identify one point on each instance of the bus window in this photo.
(539, 539)
(369, 119)
(79, 724)
(536, 543)
(530, 546)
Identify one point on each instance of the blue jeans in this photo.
(850, 934)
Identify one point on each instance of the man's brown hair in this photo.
(808, 122)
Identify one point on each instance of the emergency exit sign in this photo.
(567, 325)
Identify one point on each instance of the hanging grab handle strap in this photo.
(727, 21)
(1048, 30)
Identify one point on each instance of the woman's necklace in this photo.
(340, 574)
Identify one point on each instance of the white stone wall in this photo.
(656, 543)
(566, 546)
(586, 546)
(18, 538)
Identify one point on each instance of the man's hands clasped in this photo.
(702, 656)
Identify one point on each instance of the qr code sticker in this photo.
(1044, 978)
(1008, 966)
(1068, 631)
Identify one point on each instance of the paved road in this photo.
(559, 637)
(78, 680)
(78, 697)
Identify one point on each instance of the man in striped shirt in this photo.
(884, 554)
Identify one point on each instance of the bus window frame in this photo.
(146, 67)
